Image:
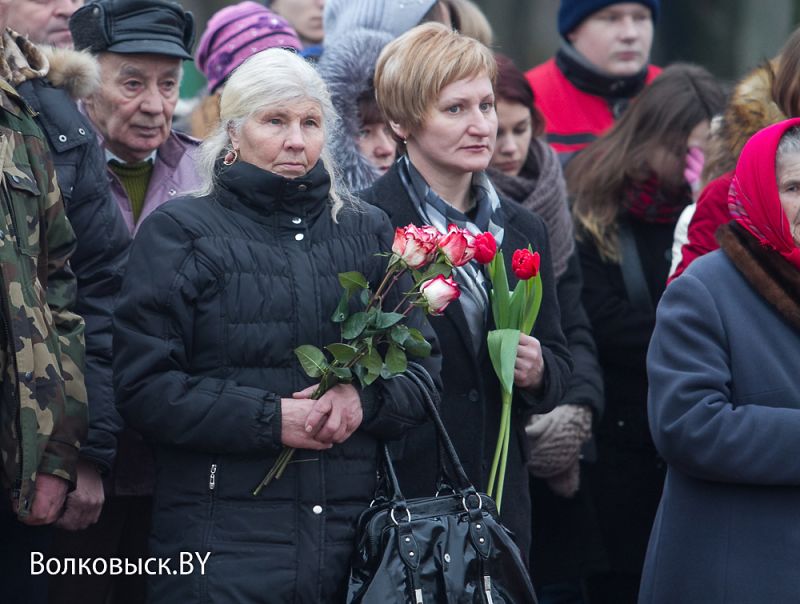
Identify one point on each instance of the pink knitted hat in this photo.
(237, 32)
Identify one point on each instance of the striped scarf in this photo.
(488, 216)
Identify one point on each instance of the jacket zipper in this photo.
(212, 479)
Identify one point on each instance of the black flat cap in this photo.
(155, 27)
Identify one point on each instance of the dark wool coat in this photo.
(103, 240)
(725, 414)
(471, 401)
(629, 474)
(219, 291)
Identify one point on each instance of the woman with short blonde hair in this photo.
(436, 88)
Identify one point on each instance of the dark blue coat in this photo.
(724, 409)
(219, 292)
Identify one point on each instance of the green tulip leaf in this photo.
(503, 344)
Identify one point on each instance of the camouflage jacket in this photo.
(43, 411)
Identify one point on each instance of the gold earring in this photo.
(231, 157)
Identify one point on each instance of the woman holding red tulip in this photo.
(443, 112)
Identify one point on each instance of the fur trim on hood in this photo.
(78, 73)
(347, 68)
(749, 109)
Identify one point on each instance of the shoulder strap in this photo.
(632, 271)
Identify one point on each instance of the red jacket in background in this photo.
(573, 118)
(711, 212)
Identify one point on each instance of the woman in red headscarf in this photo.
(724, 403)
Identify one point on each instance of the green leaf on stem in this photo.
(518, 304)
(364, 296)
(439, 268)
(353, 281)
(396, 361)
(387, 319)
(503, 344)
(500, 293)
(399, 334)
(312, 359)
(373, 363)
(341, 313)
(532, 312)
(343, 374)
(416, 345)
(354, 325)
(360, 373)
(342, 353)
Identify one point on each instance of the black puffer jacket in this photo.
(103, 239)
(218, 293)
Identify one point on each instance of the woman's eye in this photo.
(363, 133)
(275, 121)
(311, 123)
(454, 109)
(486, 106)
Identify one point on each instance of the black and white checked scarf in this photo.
(488, 216)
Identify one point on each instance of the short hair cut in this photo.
(413, 69)
(270, 78)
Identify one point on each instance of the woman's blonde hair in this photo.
(413, 69)
(271, 78)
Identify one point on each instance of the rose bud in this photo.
(457, 246)
(485, 248)
(525, 264)
(414, 246)
(438, 293)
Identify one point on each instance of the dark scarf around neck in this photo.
(540, 188)
(618, 90)
(651, 202)
(775, 279)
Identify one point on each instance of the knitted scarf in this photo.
(540, 187)
(650, 202)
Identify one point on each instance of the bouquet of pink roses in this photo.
(375, 341)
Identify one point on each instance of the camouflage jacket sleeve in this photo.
(61, 453)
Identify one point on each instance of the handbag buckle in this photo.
(464, 501)
(392, 516)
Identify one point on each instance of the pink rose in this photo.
(415, 246)
(457, 246)
(438, 293)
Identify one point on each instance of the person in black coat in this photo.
(220, 290)
(443, 111)
(629, 189)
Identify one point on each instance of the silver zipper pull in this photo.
(418, 596)
(487, 586)
(212, 477)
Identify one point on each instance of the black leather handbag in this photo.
(441, 549)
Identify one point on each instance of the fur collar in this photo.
(749, 109)
(21, 60)
(768, 273)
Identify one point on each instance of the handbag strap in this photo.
(632, 270)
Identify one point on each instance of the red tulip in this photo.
(438, 293)
(485, 248)
(457, 246)
(525, 264)
(415, 246)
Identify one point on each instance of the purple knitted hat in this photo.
(237, 32)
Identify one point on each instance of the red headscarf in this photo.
(753, 199)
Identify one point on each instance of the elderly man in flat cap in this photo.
(140, 46)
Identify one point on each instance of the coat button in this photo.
(81, 131)
(172, 192)
(317, 509)
(302, 188)
(299, 237)
(296, 220)
(473, 396)
(62, 138)
(28, 376)
(620, 423)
